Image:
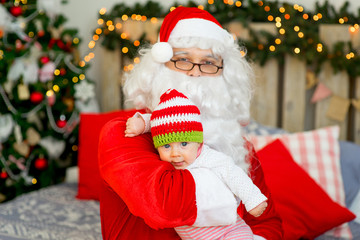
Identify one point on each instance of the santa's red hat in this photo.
(187, 22)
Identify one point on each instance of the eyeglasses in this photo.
(188, 66)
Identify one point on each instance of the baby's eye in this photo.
(166, 146)
(184, 144)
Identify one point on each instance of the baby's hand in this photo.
(259, 209)
(134, 126)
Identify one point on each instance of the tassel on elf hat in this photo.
(175, 119)
(187, 22)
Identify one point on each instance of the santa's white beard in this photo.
(222, 130)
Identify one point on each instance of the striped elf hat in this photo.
(175, 119)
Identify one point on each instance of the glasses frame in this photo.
(195, 64)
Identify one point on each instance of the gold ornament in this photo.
(32, 136)
(22, 148)
(69, 102)
(23, 92)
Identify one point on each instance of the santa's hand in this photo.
(134, 126)
(259, 209)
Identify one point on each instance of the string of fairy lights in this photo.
(279, 14)
(111, 26)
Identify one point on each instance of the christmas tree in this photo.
(43, 89)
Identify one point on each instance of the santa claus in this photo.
(144, 198)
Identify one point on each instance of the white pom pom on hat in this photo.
(162, 52)
(187, 22)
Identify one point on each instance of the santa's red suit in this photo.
(145, 198)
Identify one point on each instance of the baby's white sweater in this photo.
(233, 176)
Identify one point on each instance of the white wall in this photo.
(83, 14)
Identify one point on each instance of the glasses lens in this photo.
(207, 68)
(183, 65)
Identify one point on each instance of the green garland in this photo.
(258, 48)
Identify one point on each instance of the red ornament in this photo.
(36, 97)
(41, 164)
(16, 11)
(44, 59)
(18, 45)
(41, 33)
(62, 71)
(61, 123)
(4, 175)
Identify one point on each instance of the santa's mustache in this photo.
(209, 94)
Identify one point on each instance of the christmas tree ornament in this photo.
(32, 136)
(84, 90)
(22, 148)
(3, 174)
(56, 33)
(90, 106)
(44, 59)
(69, 102)
(41, 163)
(16, 11)
(47, 72)
(61, 123)
(53, 146)
(62, 71)
(19, 162)
(6, 127)
(36, 97)
(23, 91)
(19, 45)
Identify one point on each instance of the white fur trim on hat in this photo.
(197, 27)
(162, 52)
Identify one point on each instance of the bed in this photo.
(71, 210)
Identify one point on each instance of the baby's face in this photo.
(179, 154)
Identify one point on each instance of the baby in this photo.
(177, 133)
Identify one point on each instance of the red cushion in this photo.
(306, 210)
(89, 131)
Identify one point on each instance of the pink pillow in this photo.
(306, 210)
(89, 131)
(318, 153)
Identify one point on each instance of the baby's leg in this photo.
(238, 231)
